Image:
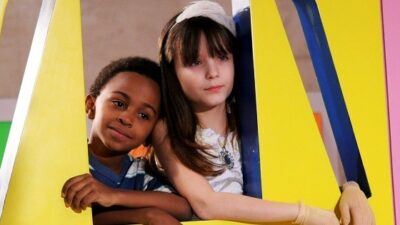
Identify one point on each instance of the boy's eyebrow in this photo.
(122, 93)
(144, 103)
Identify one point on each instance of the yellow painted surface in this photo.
(293, 160)
(216, 222)
(294, 163)
(355, 40)
(53, 144)
(3, 6)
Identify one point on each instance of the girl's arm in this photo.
(81, 191)
(208, 204)
(149, 216)
(353, 206)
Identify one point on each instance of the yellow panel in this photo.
(216, 222)
(53, 144)
(294, 163)
(3, 6)
(355, 40)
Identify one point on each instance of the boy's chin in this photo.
(119, 150)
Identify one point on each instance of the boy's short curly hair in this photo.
(143, 66)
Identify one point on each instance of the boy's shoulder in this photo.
(137, 166)
(151, 182)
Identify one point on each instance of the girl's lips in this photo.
(215, 88)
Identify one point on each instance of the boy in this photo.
(124, 104)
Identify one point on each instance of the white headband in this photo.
(210, 10)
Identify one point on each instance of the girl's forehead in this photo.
(191, 48)
(184, 39)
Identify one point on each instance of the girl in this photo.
(197, 144)
(124, 104)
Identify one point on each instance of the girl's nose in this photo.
(212, 70)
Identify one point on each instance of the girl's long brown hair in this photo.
(182, 40)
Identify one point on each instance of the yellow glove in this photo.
(314, 216)
(353, 206)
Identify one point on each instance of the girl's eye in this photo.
(223, 57)
(119, 104)
(144, 116)
(195, 62)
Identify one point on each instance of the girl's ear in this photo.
(90, 106)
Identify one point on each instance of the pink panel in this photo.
(391, 18)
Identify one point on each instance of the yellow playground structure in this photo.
(48, 133)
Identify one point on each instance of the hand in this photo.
(314, 216)
(81, 191)
(353, 206)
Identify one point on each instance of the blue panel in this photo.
(331, 92)
(246, 101)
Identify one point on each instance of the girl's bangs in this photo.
(219, 40)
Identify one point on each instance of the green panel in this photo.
(4, 129)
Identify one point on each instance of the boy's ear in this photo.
(90, 106)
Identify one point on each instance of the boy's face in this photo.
(123, 114)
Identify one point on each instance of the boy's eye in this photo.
(144, 116)
(118, 104)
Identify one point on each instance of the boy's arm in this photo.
(81, 191)
(150, 216)
(168, 202)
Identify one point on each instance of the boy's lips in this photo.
(120, 131)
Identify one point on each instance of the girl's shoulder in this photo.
(208, 136)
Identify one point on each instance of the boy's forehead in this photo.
(133, 85)
(129, 82)
(126, 78)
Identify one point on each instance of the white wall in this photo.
(7, 107)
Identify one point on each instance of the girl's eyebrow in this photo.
(146, 105)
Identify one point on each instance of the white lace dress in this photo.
(227, 153)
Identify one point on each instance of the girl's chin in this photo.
(215, 104)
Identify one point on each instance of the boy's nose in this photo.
(125, 119)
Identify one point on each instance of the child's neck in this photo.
(113, 162)
(215, 119)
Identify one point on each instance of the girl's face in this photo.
(208, 81)
(123, 114)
